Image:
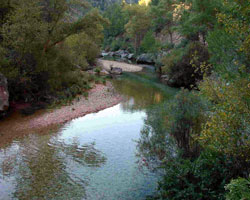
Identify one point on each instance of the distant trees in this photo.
(162, 13)
(138, 24)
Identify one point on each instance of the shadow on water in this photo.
(92, 157)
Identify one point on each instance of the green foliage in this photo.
(186, 113)
(227, 129)
(184, 65)
(117, 18)
(116, 28)
(239, 189)
(41, 46)
(221, 133)
(82, 49)
(155, 145)
(162, 13)
(198, 18)
(149, 43)
(229, 43)
(118, 44)
(138, 24)
(203, 178)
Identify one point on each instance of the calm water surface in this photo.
(92, 157)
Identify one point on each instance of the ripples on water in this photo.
(92, 157)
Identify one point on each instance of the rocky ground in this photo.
(100, 97)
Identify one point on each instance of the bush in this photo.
(186, 114)
(239, 189)
(39, 55)
(184, 65)
(203, 178)
(82, 50)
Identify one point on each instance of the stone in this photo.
(145, 58)
(104, 54)
(104, 72)
(124, 55)
(4, 94)
(130, 56)
(115, 70)
(119, 53)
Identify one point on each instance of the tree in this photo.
(227, 128)
(116, 27)
(198, 17)
(138, 24)
(163, 16)
(33, 38)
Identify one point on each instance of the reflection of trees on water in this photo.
(48, 169)
(139, 95)
(155, 145)
(143, 93)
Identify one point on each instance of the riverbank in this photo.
(99, 98)
(107, 64)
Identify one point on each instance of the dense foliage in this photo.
(203, 140)
(36, 38)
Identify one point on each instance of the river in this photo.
(94, 157)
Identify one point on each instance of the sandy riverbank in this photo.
(100, 97)
(106, 64)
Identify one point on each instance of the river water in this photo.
(92, 157)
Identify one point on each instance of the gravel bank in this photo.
(100, 97)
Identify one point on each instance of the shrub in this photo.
(186, 114)
(203, 178)
(184, 65)
(239, 189)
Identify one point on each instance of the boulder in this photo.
(119, 53)
(4, 95)
(111, 54)
(146, 58)
(104, 54)
(124, 55)
(115, 70)
(130, 56)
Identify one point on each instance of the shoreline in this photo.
(100, 97)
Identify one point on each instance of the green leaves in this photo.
(239, 189)
(33, 39)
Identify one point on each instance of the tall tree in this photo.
(138, 24)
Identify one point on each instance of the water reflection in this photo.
(141, 93)
(155, 145)
(40, 167)
(92, 157)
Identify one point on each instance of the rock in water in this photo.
(115, 70)
(4, 95)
